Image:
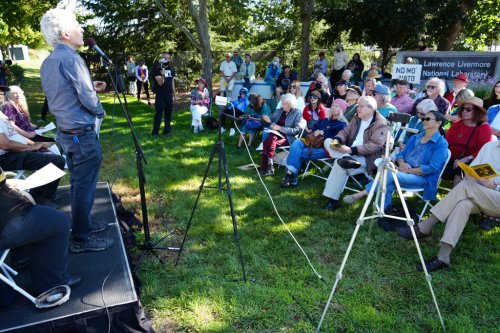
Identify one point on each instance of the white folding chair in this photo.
(417, 191)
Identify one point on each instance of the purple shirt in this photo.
(19, 118)
(403, 103)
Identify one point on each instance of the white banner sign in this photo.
(410, 73)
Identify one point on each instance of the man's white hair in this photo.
(368, 101)
(54, 22)
(289, 98)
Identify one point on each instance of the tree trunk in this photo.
(450, 36)
(199, 14)
(307, 8)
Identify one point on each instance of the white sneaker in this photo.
(260, 147)
(231, 132)
(222, 129)
(200, 127)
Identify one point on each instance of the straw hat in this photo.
(476, 101)
(373, 74)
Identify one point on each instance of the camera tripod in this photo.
(218, 148)
(386, 165)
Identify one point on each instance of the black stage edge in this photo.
(85, 310)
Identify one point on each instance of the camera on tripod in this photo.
(6, 62)
(399, 117)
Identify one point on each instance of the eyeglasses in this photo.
(293, 87)
(431, 87)
(313, 97)
(467, 109)
(421, 114)
(428, 119)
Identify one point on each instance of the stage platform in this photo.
(106, 291)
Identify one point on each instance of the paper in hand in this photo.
(45, 175)
(46, 128)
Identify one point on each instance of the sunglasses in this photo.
(428, 119)
(467, 109)
(431, 87)
(313, 97)
(293, 87)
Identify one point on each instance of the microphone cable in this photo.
(291, 234)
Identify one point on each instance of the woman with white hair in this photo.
(434, 90)
(284, 124)
(346, 76)
(16, 110)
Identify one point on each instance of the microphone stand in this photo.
(148, 246)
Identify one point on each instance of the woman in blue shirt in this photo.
(419, 164)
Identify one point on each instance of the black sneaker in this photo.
(96, 227)
(91, 244)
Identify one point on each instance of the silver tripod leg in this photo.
(379, 203)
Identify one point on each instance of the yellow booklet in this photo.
(479, 171)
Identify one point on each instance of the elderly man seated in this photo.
(19, 153)
(470, 196)
(285, 123)
(402, 101)
(356, 147)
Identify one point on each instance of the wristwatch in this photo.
(470, 158)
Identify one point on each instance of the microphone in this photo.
(90, 42)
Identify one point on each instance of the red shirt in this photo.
(307, 114)
(458, 135)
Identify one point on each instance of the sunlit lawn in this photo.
(381, 288)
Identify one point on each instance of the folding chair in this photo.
(417, 191)
(52, 297)
(286, 150)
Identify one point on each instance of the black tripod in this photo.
(148, 246)
(218, 148)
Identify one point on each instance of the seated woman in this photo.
(419, 164)
(466, 136)
(494, 97)
(340, 92)
(355, 147)
(321, 85)
(288, 123)
(347, 76)
(16, 110)
(424, 107)
(256, 109)
(353, 94)
(294, 89)
(471, 196)
(235, 109)
(314, 111)
(200, 102)
(328, 128)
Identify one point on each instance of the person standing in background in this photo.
(142, 75)
(130, 67)
(340, 60)
(165, 94)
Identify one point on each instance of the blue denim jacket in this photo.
(432, 162)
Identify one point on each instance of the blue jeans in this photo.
(406, 180)
(44, 231)
(298, 151)
(83, 155)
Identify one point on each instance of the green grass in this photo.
(381, 287)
